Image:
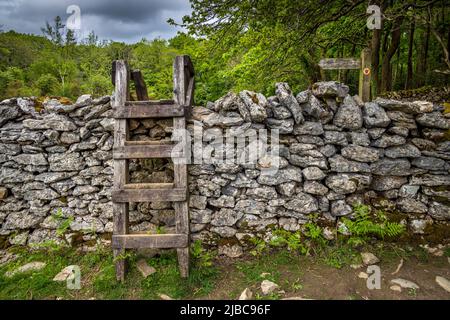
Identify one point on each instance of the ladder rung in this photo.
(134, 241)
(146, 151)
(140, 185)
(149, 195)
(147, 142)
(149, 109)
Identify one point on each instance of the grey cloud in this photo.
(121, 20)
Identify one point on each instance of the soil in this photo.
(322, 282)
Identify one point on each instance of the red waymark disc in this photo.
(366, 71)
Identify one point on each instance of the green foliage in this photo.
(63, 222)
(202, 257)
(367, 223)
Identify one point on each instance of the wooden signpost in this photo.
(364, 64)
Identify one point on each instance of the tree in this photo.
(55, 32)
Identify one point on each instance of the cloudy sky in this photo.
(119, 20)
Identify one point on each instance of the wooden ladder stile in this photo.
(125, 192)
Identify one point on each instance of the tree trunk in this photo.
(386, 70)
(409, 75)
(421, 67)
(376, 46)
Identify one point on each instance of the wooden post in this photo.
(139, 83)
(183, 86)
(120, 210)
(365, 75)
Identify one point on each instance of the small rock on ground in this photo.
(444, 283)
(6, 257)
(247, 294)
(165, 297)
(363, 275)
(396, 288)
(64, 273)
(32, 266)
(369, 258)
(144, 268)
(405, 283)
(268, 287)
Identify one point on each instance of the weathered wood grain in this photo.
(146, 151)
(134, 241)
(365, 75)
(340, 63)
(149, 195)
(139, 84)
(120, 210)
(138, 111)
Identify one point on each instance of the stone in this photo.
(284, 126)
(433, 120)
(340, 208)
(37, 159)
(406, 284)
(384, 183)
(439, 211)
(222, 202)
(388, 141)
(341, 184)
(247, 294)
(8, 113)
(268, 287)
(302, 203)
(444, 283)
(313, 173)
(288, 174)
(198, 202)
(361, 154)
(66, 161)
(84, 100)
(264, 192)
(369, 258)
(363, 275)
(65, 273)
(281, 112)
(287, 99)
(50, 121)
(69, 137)
(314, 187)
(256, 105)
(335, 137)
(307, 161)
(29, 267)
(375, 116)
(3, 193)
(226, 232)
(329, 89)
(340, 164)
(359, 138)
(286, 189)
(250, 206)
(394, 105)
(144, 268)
(231, 251)
(226, 217)
(411, 205)
(397, 167)
(200, 216)
(309, 128)
(396, 288)
(349, 115)
(429, 163)
(430, 180)
(418, 226)
(403, 151)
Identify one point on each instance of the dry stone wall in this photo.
(56, 166)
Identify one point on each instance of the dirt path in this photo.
(313, 279)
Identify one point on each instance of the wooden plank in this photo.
(139, 84)
(134, 241)
(340, 63)
(146, 151)
(149, 195)
(365, 75)
(148, 186)
(183, 95)
(135, 111)
(121, 132)
(148, 142)
(149, 102)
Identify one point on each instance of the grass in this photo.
(98, 277)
